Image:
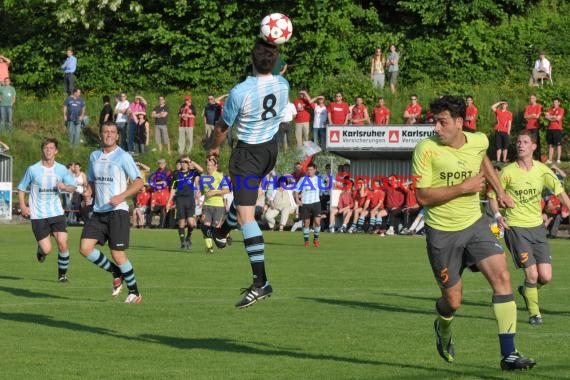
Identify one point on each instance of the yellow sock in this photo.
(531, 295)
(506, 315)
(209, 243)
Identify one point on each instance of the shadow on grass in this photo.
(225, 345)
(433, 299)
(381, 306)
(9, 278)
(29, 294)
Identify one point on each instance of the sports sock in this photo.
(62, 262)
(372, 223)
(231, 221)
(209, 243)
(445, 319)
(530, 292)
(181, 234)
(360, 222)
(306, 233)
(129, 276)
(255, 249)
(316, 232)
(189, 233)
(99, 259)
(505, 311)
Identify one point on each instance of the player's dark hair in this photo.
(106, 99)
(263, 56)
(557, 98)
(109, 124)
(526, 132)
(312, 165)
(454, 104)
(50, 140)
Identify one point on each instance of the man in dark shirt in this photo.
(160, 115)
(106, 112)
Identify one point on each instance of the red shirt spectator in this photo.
(471, 113)
(338, 111)
(503, 119)
(414, 112)
(381, 115)
(187, 113)
(159, 197)
(554, 112)
(532, 113)
(395, 196)
(376, 197)
(143, 197)
(360, 196)
(345, 200)
(303, 106)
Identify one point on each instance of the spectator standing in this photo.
(381, 113)
(160, 115)
(110, 169)
(211, 114)
(73, 114)
(106, 114)
(69, 67)
(46, 179)
(359, 113)
(554, 115)
(502, 128)
(470, 122)
(139, 105)
(413, 112)
(285, 127)
(393, 67)
(4, 67)
(532, 114)
(320, 118)
(541, 69)
(122, 118)
(377, 65)
(142, 133)
(339, 111)
(7, 101)
(187, 116)
(303, 117)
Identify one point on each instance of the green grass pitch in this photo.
(359, 307)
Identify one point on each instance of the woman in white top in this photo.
(377, 73)
(320, 118)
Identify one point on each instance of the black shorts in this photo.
(554, 137)
(112, 226)
(249, 163)
(450, 252)
(528, 246)
(44, 227)
(309, 211)
(501, 140)
(185, 207)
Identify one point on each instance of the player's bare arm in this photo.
(131, 190)
(220, 133)
(505, 201)
(431, 196)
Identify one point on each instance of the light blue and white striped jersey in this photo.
(256, 106)
(109, 173)
(45, 200)
(309, 189)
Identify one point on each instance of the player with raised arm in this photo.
(255, 107)
(46, 179)
(451, 168)
(110, 169)
(525, 235)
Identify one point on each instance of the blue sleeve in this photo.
(130, 167)
(90, 174)
(231, 109)
(66, 176)
(25, 182)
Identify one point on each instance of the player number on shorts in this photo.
(268, 106)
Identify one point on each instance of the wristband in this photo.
(498, 216)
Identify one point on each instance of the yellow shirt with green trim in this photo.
(438, 166)
(207, 184)
(525, 187)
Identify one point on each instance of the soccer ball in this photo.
(276, 28)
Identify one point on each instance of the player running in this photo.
(255, 107)
(525, 235)
(451, 168)
(46, 179)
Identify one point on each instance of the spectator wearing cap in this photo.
(135, 108)
(320, 120)
(187, 116)
(541, 70)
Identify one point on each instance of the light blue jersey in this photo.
(45, 200)
(256, 106)
(109, 173)
(309, 189)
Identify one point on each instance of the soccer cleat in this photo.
(449, 352)
(306, 244)
(40, 255)
(254, 294)
(183, 245)
(229, 240)
(390, 231)
(515, 361)
(209, 250)
(521, 292)
(535, 320)
(316, 243)
(62, 278)
(188, 244)
(117, 286)
(133, 298)
(342, 229)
